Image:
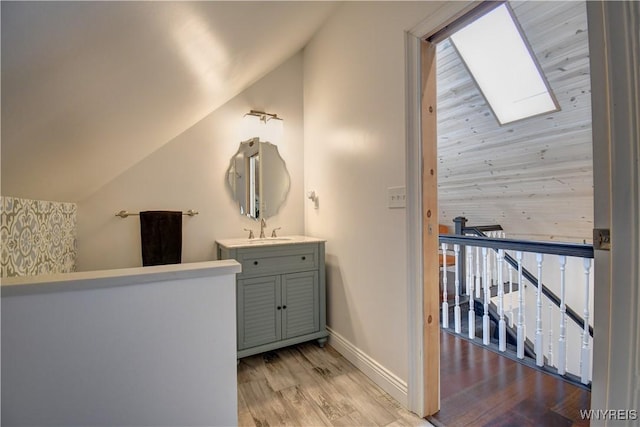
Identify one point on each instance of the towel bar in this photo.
(124, 214)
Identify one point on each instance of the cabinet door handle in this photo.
(304, 257)
(278, 308)
(255, 262)
(284, 307)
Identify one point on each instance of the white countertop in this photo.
(267, 241)
(47, 283)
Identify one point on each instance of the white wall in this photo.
(143, 354)
(189, 173)
(354, 114)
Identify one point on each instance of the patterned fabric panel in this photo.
(37, 237)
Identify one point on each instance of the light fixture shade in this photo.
(272, 131)
(251, 127)
(267, 127)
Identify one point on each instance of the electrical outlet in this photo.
(397, 197)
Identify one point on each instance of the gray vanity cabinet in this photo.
(280, 295)
(300, 304)
(258, 320)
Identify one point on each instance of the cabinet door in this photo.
(301, 304)
(259, 320)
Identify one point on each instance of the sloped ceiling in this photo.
(91, 88)
(534, 176)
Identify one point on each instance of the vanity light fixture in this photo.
(266, 126)
(262, 116)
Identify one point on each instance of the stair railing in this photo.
(490, 271)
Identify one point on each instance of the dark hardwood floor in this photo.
(482, 388)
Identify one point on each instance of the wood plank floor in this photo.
(482, 388)
(306, 385)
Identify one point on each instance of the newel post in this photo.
(460, 223)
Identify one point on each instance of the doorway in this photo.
(605, 32)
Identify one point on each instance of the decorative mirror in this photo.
(258, 179)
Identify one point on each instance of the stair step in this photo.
(493, 292)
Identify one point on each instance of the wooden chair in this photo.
(448, 259)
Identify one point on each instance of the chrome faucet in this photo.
(273, 233)
(263, 224)
(250, 233)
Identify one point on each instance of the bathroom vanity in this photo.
(281, 292)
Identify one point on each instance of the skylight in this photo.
(505, 70)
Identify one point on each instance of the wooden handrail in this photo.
(580, 250)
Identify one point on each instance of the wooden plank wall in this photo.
(534, 177)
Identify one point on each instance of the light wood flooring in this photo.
(306, 385)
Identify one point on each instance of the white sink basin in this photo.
(266, 240)
(284, 240)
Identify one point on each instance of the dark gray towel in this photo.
(161, 237)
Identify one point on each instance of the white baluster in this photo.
(445, 304)
(494, 257)
(485, 317)
(539, 346)
(502, 326)
(472, 313)
(550, 352)
(562, 343)
(510, 295)
(520, 323)
(478, 273)
(489, 267)
(469, 261)
(456, 309)
(585, 359)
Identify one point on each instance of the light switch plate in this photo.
(397, 197)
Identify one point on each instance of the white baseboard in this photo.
(380, 375)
